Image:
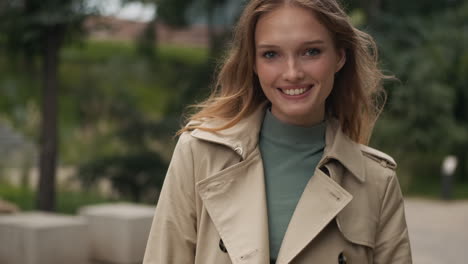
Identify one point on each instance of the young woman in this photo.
(274, 167)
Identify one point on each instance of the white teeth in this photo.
(294, 91)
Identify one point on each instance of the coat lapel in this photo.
(236, 202)
(320, 202)
(323, 198)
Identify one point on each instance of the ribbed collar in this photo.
(292, 135)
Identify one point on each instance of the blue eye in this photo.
(312, 52)
(269, 54)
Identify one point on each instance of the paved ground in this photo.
(438, 231)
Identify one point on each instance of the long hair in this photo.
(355, 100)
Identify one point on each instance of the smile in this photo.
(296, 90)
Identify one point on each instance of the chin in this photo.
(299, 111)
(300, 115)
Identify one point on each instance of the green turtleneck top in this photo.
(290, 154)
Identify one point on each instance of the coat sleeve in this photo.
(172, 238)
(392, 241)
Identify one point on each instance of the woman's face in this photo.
(295, 61)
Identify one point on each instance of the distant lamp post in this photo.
(449, 165)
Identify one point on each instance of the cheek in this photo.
(324, 70)
(323, 73)
(266, 72)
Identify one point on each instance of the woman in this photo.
(274, 168)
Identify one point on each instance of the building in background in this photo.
(118, 22)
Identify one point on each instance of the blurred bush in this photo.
(426, 117)
(68, 202)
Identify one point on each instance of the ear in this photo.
(342, 59)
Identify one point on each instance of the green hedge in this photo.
(68, 202)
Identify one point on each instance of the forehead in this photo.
(290, 24)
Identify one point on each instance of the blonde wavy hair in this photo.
(357, 97)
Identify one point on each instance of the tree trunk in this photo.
(136, 194)
(147, 41)
(49, 129)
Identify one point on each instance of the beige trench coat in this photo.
(212, 207)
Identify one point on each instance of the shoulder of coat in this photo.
(185, 137)
(378, 156)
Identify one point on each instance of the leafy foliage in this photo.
(68, 202)
(130, 174)
(173, 12)
(139, 116)
(426, 111)
(25, 22)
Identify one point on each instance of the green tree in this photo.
(147, 41)
(426, 110)
(375, 9)
(135, 168)
(175, 13)
(38, 29)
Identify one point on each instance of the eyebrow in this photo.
(266, 45)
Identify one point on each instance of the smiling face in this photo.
(295, 60)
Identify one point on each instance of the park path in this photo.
(438, 231)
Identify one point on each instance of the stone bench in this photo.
(118, 232)
(43, 238)
(7, 207)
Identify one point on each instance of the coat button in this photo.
(342, 258)
(221, 246)
(238, 150)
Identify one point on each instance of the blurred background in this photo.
(92, 93)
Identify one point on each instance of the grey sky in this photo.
(133, 11)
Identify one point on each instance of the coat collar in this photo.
(341, 148)
(243, 139)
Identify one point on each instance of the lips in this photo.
(295, 90)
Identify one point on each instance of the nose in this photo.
(293, 71)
